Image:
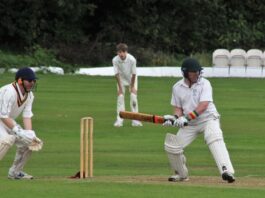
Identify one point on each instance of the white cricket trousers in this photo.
(213, 137)
(121, 100)
(22, 154)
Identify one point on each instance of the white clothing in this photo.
(125, 68)
(12, 104)
(189, 98)
(186, 135)
(123, 87)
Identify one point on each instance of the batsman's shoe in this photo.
(118, 123)
(136, 123)
(229, 177)
(177, 178)
(20, 175)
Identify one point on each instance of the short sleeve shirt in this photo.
(125, 68)
(189, 98)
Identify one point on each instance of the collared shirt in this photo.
(188, 98)
(125, 68)
(13, 103)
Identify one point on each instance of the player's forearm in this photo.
(202, 107)
(133, 80)
(198, 111)
(27, 123)
(178, 111)
(193, 114)
(117, 76)
(9, 122)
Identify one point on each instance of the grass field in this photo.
(131, 162)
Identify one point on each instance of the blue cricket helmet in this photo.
(26, 73)
(190, 65)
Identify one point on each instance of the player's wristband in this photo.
(192, 115)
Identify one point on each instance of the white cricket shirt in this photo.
(125, 68)
(13, 103)
(189, 98)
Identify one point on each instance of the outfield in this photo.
(131, 162)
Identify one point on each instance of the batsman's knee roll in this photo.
(171, 145)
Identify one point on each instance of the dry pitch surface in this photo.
(241, 182)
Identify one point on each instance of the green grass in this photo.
(60, 102)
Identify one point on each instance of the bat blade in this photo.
(141, 117)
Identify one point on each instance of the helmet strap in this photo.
(21, 82)
(23, 85)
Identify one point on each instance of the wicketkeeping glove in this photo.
(36, 144)
(21, 134)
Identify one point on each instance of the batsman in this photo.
(15, 99)
(195, 113)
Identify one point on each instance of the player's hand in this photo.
(120, 92)
(22, 134)
(36, 144)
(133, 90)
(181, 122)
(169, 120)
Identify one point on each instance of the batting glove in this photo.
(169, 120)
(181, 122)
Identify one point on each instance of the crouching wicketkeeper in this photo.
(17, 98)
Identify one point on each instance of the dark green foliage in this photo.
(86, 31)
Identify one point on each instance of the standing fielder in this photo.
(195, 112)
(124, 65)
(17, 98)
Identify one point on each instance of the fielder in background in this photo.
(17, 98)
(195, 113)
(124, 65)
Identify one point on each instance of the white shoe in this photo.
(20, 175)
(136, 123)
(118, 123)
(177, 178)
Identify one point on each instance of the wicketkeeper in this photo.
(195, 113)
(15, 99)
(124, 65)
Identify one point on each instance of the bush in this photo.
(36, 57)
(72, 57)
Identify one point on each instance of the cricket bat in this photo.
(142, 117)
